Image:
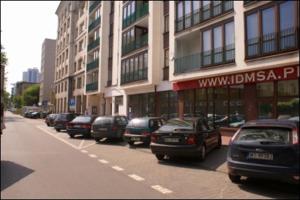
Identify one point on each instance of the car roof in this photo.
(189, 118)
(147, 118)
(272, 122)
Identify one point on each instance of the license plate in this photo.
(135, 139)
(77, 126)
(102, 129)
(260, 156)
(171, 140)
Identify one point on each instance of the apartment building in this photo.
(229, 60)
(47, 72)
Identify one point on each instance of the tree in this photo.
(31, 95)
(3, 58)
(18, 101)
(6, 100)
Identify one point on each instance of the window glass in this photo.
(167, 58)
(218, 37)
(141, 66)
(179, 10)
(201, 103)
(229, 33)
(288, 88)
(167, 23)
(236, 106)
(173, 104)
(268, 21)
(221, 106)
(287, 15)
(187, 7)
(82, 119)
(188, 103)
(252, 26)
(207, 40)
(265, 89)
(196, 6)
(277, 135)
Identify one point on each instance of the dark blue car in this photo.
(265, 149)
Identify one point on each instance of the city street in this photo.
(38, 162)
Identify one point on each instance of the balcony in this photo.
(133, 76)
(141, 10)
(272, 43)
(203, 14)
(94, 5)
(94, 24)
(91, 87)
(92, 65)
(93, 44)
(136, 44)
(194, 62)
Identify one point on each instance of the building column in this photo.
(250, 102)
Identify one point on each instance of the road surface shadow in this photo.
(270, 188)
(12, 173)
(139, 145)
(213, 161)
(111, 141)
(81, 137)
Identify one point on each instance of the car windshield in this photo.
(138, 123)
(62, 117)
(82, 119)
(104, 120)
(277, 135)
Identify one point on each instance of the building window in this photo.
(166, 23)
(79, 83)
(272, 30)
(166, 66)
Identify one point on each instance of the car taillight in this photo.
(86, 126)
(146, 133)
(295, 136)
(191, 139)
(153, 137)
(234, 136)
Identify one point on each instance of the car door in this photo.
(208, 134)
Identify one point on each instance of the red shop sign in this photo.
(281, 73)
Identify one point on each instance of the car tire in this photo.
(71, 135)
(58, 130)
(48, 124)
(219, 145)
(159, 156)
(202, 153)
(131, 143)
(97, 140)
(234, 178)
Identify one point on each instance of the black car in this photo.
(185, 137)
(266, 149)
(81, 125)
(61, 121)
(28, 114)
(49, 120)
(140, 129)
(109, 127)
(35, 115)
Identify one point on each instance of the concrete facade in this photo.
(47, 72)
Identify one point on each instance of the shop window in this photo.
(168, 104)
(288, 88)
(201, 102)
(265, 89)
(221, 106)
(236, 106)
(188, 103)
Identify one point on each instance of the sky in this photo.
(24, 26)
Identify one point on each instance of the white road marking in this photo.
(81, 143)
(86, 146)
(55, 136)
(161, 189)
(117, 168)
(103, 161)
(84, 151)
(92, 155)
(136, 177)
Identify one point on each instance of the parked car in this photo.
(140, 129)
(266, 149)
(28, 114)
(81, 125)
(35, 115)
(60, 122)
(49, 120)
(185, 137)
(109, 127)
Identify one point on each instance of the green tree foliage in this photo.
(6, 99)
(3, 57)
(18, 101)
(31, 95)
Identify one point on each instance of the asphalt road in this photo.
(38, 162)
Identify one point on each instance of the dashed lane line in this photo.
(136, 177)
(103, 161)
(92, 155)
(88, 145)
(117, 168)
(57, 137)
(161, 189)
(81, 144)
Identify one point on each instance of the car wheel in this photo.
(203, 153)
(58, 130)
(159, 156)
(131, 143)
(234, 178)
(88, 135)
(71, 135)
(219, 142)
(97, 140)
(48, 124)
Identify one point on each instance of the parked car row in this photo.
(261, 148)
(35, 114)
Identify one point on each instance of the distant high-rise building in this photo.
(31, 75)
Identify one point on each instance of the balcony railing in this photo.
(93, 6)
(94, 24)
(203, 14)
(136, 44)
(272, 43)
(133, 76)
(92, 65)
(141, 10)
(91, 86)
(204, 59)
(93, 44)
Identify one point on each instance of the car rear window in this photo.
(104, 120)
(179, 122)
(138, 123)
(281, 135)
(82, 119)
(62, 117)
